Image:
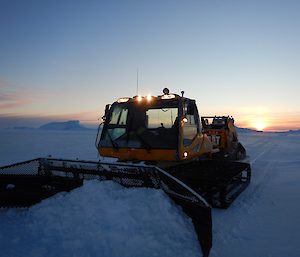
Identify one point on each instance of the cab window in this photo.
(190, 126)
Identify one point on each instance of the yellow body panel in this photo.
(219, 138)
(138, 154)
(198, 147)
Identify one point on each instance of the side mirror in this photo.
(106, 112)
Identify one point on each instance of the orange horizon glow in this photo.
(280, 122)
(271, 122)
(268, 127)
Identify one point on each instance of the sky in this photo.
(65, 60)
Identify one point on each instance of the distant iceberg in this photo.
(69, 125)
(22, 128)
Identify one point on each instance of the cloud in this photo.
(11, 100)
(14, 95)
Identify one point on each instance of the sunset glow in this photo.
(259, 125)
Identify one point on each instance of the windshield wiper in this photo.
(114, 145)
(129, 129)
(144, 143)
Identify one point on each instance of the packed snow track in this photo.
(263, 221)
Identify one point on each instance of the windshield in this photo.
(150, 125)
(161, 117)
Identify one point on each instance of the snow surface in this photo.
(100, 219)
(105, 219)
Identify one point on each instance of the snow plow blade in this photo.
(27, 183)
(220, 182)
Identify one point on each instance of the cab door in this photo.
(193, 142)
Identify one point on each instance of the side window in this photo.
(123, 117)
(115, 115)
(190, 130)
(119, 116)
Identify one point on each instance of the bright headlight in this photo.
(123, 100)
(168, 96)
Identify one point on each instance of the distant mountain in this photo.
(294, 131)
(69, 125)
(23, 128)
(241, 130)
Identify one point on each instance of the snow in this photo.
(264, 220)
(105, 219)
(101, 219)
(22, 145)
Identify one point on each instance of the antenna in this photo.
(137, 81)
